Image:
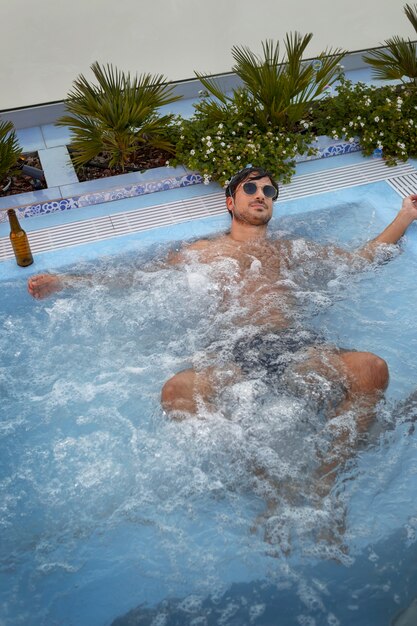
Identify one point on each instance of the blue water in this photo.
(106, 505)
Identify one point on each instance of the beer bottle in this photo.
(19, 241)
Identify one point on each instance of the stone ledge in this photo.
(64, 196)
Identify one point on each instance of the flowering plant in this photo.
(384, 118)
(262, 121)
(218, 141)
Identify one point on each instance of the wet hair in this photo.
(252, 173)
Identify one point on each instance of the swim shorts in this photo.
(274, 351)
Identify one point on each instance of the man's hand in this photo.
(409, 208)
(43, 285)
(393, 233)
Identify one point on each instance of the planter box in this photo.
(65, 193)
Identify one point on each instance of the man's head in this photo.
(250, 194)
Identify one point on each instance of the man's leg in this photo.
(364, 377)
(187, 390)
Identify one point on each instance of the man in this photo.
(263, 301)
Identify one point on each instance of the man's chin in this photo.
(260, 219)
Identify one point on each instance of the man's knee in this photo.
(380, 372)
(367, 372)
(177, 393)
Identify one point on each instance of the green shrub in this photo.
(117, 116)
(219, 140)
(10, 150)
(262, 121)
(280, 90)
(384, 119)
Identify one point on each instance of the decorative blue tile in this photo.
(119, 193)
(327, 147)
(78, 195)
(28, 198)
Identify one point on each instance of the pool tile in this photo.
(57, 166)
(56, 135)
(30, 139)
(31, 197)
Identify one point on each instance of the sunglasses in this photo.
(269, 191)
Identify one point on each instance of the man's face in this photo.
(253, 209)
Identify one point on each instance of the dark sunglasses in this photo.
(269, 191)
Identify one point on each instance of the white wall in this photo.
(45, 44)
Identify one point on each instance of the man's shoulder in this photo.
(200, 245)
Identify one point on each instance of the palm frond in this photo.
(411, 13)
(10, 150)
(284, 86)
(399, 59)
(116, 114)
(213, 87)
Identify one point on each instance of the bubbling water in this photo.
(98, 485)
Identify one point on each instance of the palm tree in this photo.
(10, 150)
(282, 89)
(117, 116)
(399, 58)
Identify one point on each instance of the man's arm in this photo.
(43, 285)
(389, 236)
(392, 233)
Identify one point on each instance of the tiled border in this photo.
(164, 183)
(118, 193)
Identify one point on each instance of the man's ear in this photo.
(230, 203)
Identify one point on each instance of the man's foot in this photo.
(43, 285)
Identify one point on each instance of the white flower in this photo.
(238, 158)
(376, 118)
(220, 126)
(222, 144)
(167, 163)
(240, 124)
(192, 152)
(182, 137)
(206, 179)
